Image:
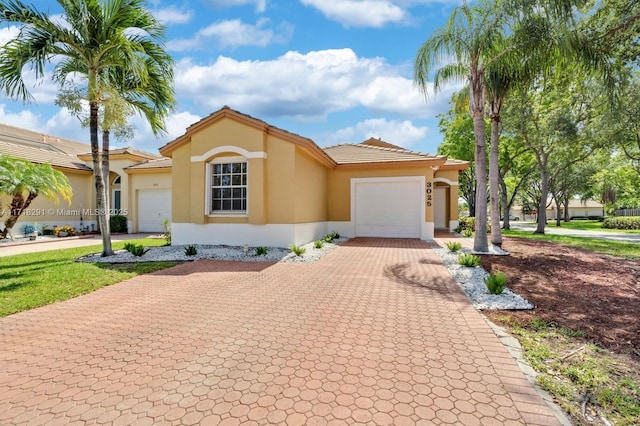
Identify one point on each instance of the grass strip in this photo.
(31, 280)
(615, 248)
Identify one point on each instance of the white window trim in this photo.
(208, 198)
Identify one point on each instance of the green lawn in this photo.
(615, 248)
(589, 225)
(36, 279)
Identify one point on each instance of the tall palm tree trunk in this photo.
(476, 107)
(494, 176)
(105, 173)
(101, 199)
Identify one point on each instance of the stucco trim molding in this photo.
(445, 180)
(227, 148)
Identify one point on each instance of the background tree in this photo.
(24, 181)
(94, 39)
(467, 39)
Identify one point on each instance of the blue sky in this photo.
(335, 71)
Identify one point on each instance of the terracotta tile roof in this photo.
(132, 151)
(40, 140)
(43, 155)
(152, 164)
(367, 153)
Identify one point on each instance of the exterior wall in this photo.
(310, 189)
(286, 186)
(44, 212)
(449, 178)
(152, 179)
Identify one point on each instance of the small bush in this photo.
(467, 233)
(327, 239)
(261, 251)
(622, 222)
(335, 235)
(191, 250)
(167, 231)
(318, 244)
(453, 246)
(297, 250)
(468, 260)
(118, 223)
(128, 246)
(469, 223)
(70, 230)
(138, 250)
(496, 282)
(28, 229)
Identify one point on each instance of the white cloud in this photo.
(398, 132)
(8, 33)
(173, 15)
(355, 13)
(261, 5)
(235, 33)
(25, 118)
(305, 86)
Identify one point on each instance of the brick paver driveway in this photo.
(376, 333)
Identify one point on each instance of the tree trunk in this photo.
(105, 174)
(101, 199)
(558, 216)
(565, 202)
(544, 194)
(506, 207)
(18, 206)
(494, 176)
(476, 104)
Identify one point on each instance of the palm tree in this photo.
(24, 181)
(114, 45)
(470, 37)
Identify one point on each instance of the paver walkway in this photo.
(376, 332)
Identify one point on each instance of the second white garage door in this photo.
(389, 209)
(154, 206)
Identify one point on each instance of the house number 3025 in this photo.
(429, 194)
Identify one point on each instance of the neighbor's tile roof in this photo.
(152, 164)
(132, 151)
(43, 155)
(40, 140)
(367, 153)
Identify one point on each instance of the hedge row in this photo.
(469, 223)
(622, 222)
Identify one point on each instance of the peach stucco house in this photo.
(238, 180)
(140, 183)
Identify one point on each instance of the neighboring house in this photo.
(238, 180)
(577, 209)
(140, 182)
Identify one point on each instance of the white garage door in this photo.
(390, 209)
(154, 206)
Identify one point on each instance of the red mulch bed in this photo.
(581, 290)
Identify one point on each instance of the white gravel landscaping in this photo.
(176, 253)
(471, 280)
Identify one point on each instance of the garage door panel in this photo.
(154, 206)
(388, 209)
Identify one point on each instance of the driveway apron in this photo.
(377, 332)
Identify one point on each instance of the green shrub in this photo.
(335, 235)
(622, 222)
(297, 250)
(469, 260)
(467, 233)
(318, 244)
(138, 250)
(167, 231)
(191, 250)
(496, 282)
(469, 223)
(327, 238)
(128, 246)
(453, 246)
(118, 223)
(261, 251)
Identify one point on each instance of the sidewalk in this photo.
(22, 247)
